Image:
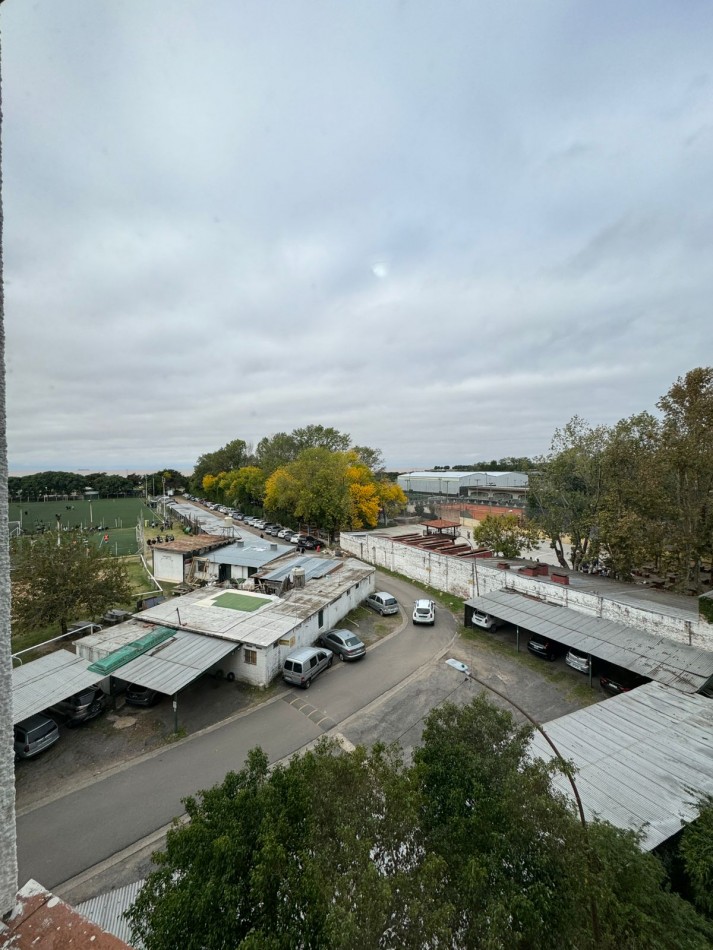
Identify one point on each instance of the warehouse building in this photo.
(498, 488)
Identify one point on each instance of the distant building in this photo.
(492, 488)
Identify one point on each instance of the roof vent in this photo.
(240, 544)
(273, 546)
(298, 576)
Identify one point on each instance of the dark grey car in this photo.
(343, 643)
(83, 706)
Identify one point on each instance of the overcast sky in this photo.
(442, 227)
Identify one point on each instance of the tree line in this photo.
(313, 474)
(36, 486)
(635, 494)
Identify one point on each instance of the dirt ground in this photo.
(124, 732)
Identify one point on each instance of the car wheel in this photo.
(329, 661)
(307, 684)
(341, 657)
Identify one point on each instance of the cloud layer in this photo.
(444, 229)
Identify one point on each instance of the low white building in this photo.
(172, 560)
(251, 631)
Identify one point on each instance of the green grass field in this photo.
(116, 516)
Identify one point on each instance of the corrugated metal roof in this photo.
(41, 683)
(262, 627)
(175, 663)
(643, 759)
(676, 664)
(312, 566)
(107, 910)
(255, 552)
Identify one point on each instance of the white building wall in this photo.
(475, 578)
(168, 566)
(270, 658)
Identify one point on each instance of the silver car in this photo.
(343, 643)
(34, 735)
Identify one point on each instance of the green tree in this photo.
(234, 454)
(697, 853)
(506, 535)
(275, 452)
(565, 494)
(687, 450)
(60, 577)
(467, 847)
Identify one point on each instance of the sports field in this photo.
(110, 522)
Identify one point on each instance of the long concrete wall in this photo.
(468, 579)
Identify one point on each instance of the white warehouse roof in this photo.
(450, 483)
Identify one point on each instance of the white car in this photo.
(484, 621)
(424, 611)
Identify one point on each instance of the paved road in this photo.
(63, 838)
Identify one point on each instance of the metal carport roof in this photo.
(175, 663)
(658, 658)
(643, 759)
(41, 683)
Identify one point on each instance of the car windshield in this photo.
(353, 642)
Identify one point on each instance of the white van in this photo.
(383, 603)
(484, 621)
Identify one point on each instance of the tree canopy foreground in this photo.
(466, 846)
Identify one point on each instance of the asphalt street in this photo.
(72, 833)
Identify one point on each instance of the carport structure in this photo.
(658, 658)
(165, 660)
(643, 760)
(48, 680)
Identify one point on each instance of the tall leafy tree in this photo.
(467, 847)
(58, 578)
(234, 454)
(687, 449)
(566, 493)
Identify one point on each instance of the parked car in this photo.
(34, 734)
(424, 611)
(578, 660)
(484, 621)
(309, 541)
(617, 680)
(82, 706)
(344, 643)
(137, 695)
(544, 647)
(383, 603)
(275, 530)
(296, 537)
(303, 665)
(285, 534)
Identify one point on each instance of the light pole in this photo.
(462, 668)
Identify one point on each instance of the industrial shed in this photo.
(463, 484)
(656, 657)
(171, 559)
(643, 760)
(239, 560)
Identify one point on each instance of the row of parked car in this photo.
(303, 665)
(266, 527)
(613, 679)
(37, 733)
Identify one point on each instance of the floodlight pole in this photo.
(565, 768)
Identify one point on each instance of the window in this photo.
(251, 657)
(320, 618)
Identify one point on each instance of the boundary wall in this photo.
(477, 577)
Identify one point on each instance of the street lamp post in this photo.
(462, 668)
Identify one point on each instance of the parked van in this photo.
(34, 735)
(303, 665)
(383, 603)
